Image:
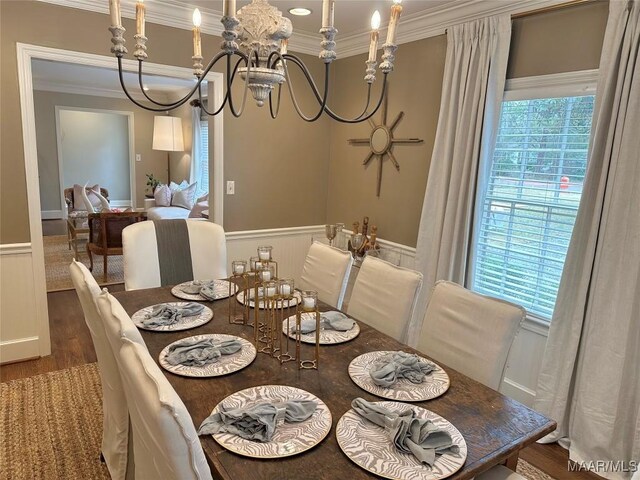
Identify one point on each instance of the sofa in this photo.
(173, 212)
(175, 201)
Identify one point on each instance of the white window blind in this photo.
(531, 200)
(203, 170)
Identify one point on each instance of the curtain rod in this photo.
(550, 8)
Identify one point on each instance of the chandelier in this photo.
(254, 47)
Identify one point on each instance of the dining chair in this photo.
(326, 270)
(384, 296)
(167, 252)
(469, 332)
(117, 322)
(472, 334)
(115, 422)
(105, 234)
(165, 442)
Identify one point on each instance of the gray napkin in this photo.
(331, 320)
(387, 369)
(165, 314)
(209, 292)
(257, 422)
(409, 434)
(198, 353)
(193, 288)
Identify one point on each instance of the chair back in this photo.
(117, 322)
(167, 252)
(326, 269)
(384, 296)
(165, 442)
(469, 332)
(115, 436)
(105, 228)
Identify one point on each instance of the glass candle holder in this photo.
(253, 263)
(238, 267)
(264, 253)
(309, 300)
(270, 289)
(285, 287)
(266, 271)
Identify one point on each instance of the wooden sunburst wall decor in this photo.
(381, 142)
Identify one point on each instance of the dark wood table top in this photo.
(495, 427)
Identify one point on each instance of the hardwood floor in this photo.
(71, 345)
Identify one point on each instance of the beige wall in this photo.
(414, 88)
(288, 172)
(45, 102)
(258, 151)
(564, 40)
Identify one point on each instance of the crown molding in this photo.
(428, 23)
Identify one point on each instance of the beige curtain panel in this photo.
(473, 87)
(590, 377)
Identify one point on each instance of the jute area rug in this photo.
(58, 257)
(52, 428)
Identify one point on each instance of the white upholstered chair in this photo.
(472, 334)
(115, 425)
(167, 252)
(469, 332)
(117, 322)
(326, 270)
(165, 441)
(384, 296)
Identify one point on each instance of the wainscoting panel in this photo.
(290, 246)
(19, 330)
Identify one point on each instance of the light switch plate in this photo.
(138, 157)
(231, 187)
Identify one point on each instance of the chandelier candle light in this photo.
(255, 46)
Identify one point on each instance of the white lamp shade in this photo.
(167, 134)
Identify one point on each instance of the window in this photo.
(531, 198)
(203, 166)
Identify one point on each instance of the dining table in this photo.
(494, 426)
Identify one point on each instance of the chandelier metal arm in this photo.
(247, 58)
(322, 100)
(228, 90)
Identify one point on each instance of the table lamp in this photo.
(167, 137)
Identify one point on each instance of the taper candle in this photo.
(396, 10)
(197, 45)
(328, 8)
(373, 46)
(229, 8)
(114, 11)
(140, 17)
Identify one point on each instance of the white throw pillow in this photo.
(162, 195)
(185, 198)
(78, 204)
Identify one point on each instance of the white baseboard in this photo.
(51, 214)
(19, 349)
(120, 203)
(518, 392)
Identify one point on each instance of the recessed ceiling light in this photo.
(300, 11)
(145, 88)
